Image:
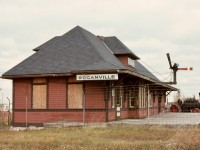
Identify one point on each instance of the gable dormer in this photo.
(127, 61)
(123, 53)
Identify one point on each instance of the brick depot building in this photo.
(81, 77)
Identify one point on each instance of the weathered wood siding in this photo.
(22, 90)
(43, 117)
(57, 96)
(94, 95)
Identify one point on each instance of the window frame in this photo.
(131, 62)
(132, 95)
(119, 96)
(113, 97)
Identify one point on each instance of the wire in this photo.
(154, 70)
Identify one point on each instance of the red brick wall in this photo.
(143, 113)
(132, 114)
(42, 117)
(123, 59)
(98, 116)
(57, 93)
(110, 101)
(139, 113)
(125, 101)
(94, 95)
(154, 105)
(112, 115)
(124, 114)
(153, 110)
(22, 88)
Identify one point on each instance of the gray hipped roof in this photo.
(76, 50)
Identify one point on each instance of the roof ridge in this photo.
(88, 40)
(49, 41)
(118, 47)
(121, 43)
(95, 47)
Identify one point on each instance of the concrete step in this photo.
(62, 124)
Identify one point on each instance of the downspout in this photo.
(26, 112)
(106, 96)
(148, 101)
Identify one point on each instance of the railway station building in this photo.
(81, 77)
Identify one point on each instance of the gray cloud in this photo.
(150, 28)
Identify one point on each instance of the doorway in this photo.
(159, 103)
(119, 101)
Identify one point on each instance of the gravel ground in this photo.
(165, 119)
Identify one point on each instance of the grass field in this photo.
(116, 137)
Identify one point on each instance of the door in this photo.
(119, 100)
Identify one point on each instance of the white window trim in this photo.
(150, 99)
(131, 62)
(130, 102)
(121, 97)
(113, 98)
(130, 97)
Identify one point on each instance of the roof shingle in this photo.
(118, 47)
(76, 50)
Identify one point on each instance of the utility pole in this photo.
(8, 104)
(9, 111)
(2, 102)
(1, 105)
(0, 89)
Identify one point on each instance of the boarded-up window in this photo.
(39, 93)
(75, 96)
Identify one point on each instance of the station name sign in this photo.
(97, 77)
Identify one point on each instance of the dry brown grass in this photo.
(117, 137)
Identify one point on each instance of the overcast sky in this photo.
(150, 28)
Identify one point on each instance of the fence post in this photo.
(1, 115)
(83, 107)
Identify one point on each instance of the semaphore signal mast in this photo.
(175, 69)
